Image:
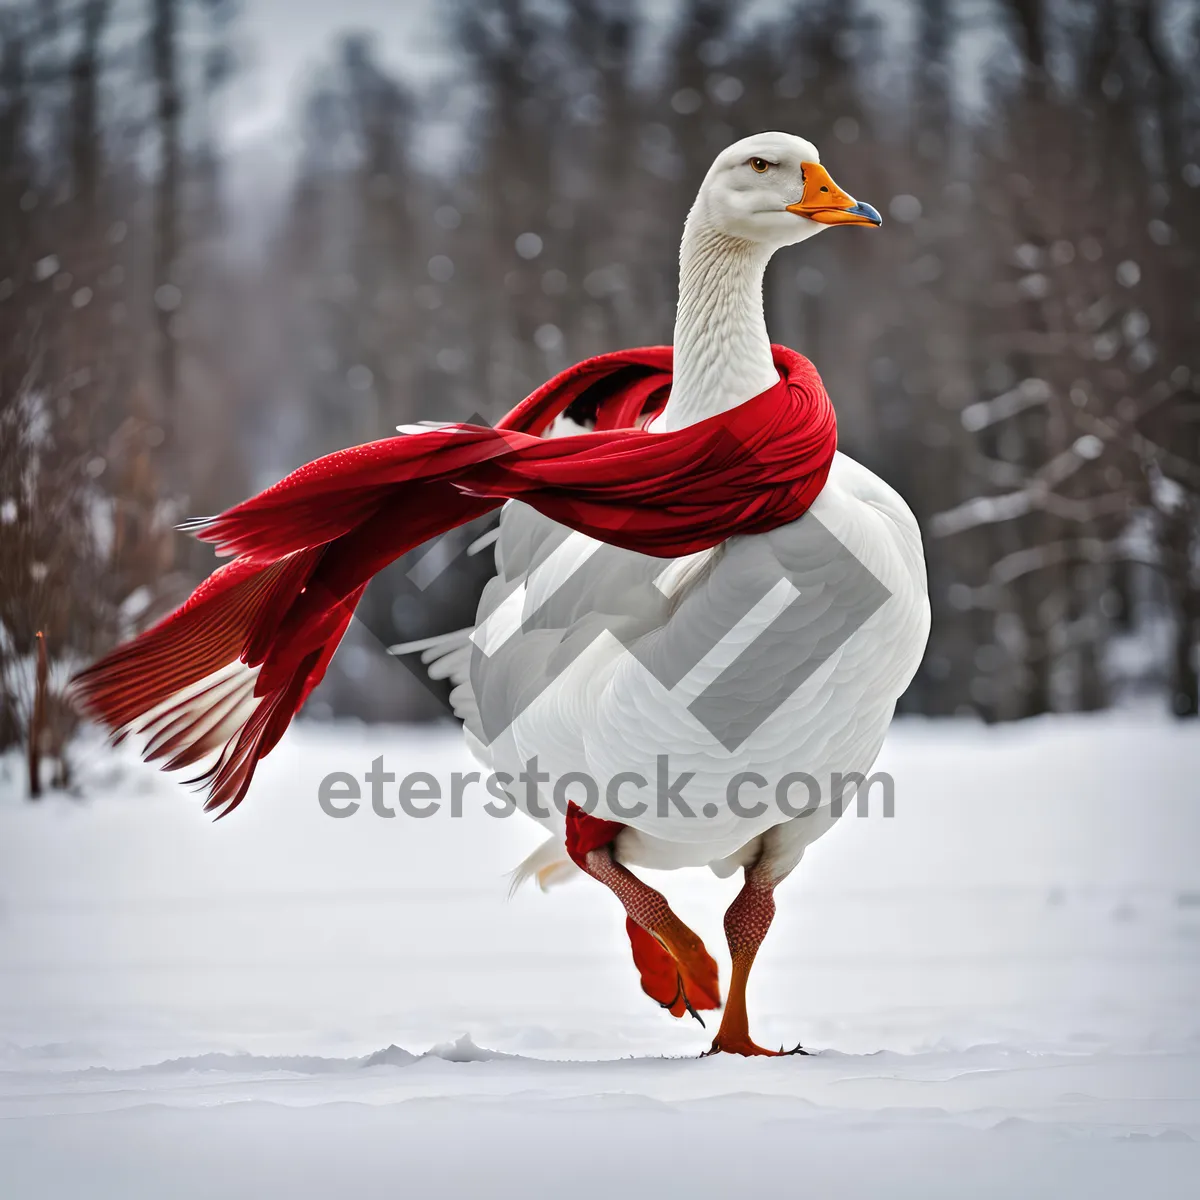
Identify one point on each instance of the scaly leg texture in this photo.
(676, 969)
(746, 924)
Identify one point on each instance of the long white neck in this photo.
(722, 351)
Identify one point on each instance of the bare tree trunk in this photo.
(37, 720)
(1181, 527)
(163, 40)
(85, 123)
(1178, 533)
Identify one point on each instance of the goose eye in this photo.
(759, 164)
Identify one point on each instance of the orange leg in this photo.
(676, 969)
(746, 924)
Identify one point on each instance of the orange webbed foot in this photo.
(747, 1048)
(676, 969)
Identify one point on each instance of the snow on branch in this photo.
(1037, 497)
(1007, 570)
(984, 413)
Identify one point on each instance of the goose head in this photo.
(761, 194)
(770, 189)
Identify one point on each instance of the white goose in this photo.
(726, 622)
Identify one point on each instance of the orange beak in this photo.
(825, 202)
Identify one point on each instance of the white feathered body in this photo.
(578, 632)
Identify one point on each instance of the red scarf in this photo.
(307, 547)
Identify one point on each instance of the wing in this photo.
(447, 656)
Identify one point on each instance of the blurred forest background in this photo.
(1016, 351)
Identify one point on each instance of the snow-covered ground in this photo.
(1002, 983)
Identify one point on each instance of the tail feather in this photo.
(229, 778)
(209, 632)
(191, 687)
(202, 721)
(548, 865)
